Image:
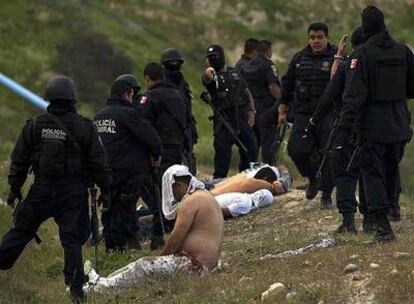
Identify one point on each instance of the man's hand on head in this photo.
(277, 188)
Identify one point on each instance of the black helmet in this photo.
(131, 80)
(171, 55)
(60, 88)
(215, 49)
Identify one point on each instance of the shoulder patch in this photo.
(354, 64)
(144, 100)
(274, 69)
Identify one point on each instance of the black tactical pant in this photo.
(120, 220)
(223, 142)
(306, 151)
(379, 167)
(265, 130)
(345, 181)
(68, 205)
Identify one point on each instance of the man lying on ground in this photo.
(194, 244)
(237, 204)
(262, 176)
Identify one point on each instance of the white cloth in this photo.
(169, 204)
(136, 273)
(244, 203)
(251, 173)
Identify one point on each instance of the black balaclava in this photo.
(372, 21)
(217, 61)
(173, 71)
(215, 56)
(173, 65)
(358, 37)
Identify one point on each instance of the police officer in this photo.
(346, 177)
(303, 84)
(64, 152)
(165, 107)
(136, 86)
(172, 60)
(133, 146)
(380, 110)
(250, 52)
(263, 80)
(230, 94)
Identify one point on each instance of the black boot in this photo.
(384, 231)
(348, 224)
(133, 243)
(157, 242)
(394, 215)
(326, 202)
(77, 295)
(312, 189)
(368, 225)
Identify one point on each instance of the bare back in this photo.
(202, 240)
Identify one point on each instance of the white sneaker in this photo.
(90, 272)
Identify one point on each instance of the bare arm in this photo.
(247, 185)
(185, 218)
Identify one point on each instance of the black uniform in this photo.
(165, 107)
(259, 73)
(229, 93)
(379, 113)
(345, 180)
(241, 62)
(176, 78)
(61, 170)
(303, 84)
(129, 141)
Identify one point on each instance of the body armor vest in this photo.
(312, 76)
(255, 76)
(231, 90)
(387, 73)
(56, 156)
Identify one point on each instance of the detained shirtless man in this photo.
(276, 180)
(193, 246)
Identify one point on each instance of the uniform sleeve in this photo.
(21, 158)
(272, 75)
(332, 94)
(288, 83)
(410, 74)
(144, 132)
(355, 92)
(96, 159)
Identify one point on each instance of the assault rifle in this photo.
(94, 222)
(157, 193)
(328, 147)
(222, 117)
(276, 146)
